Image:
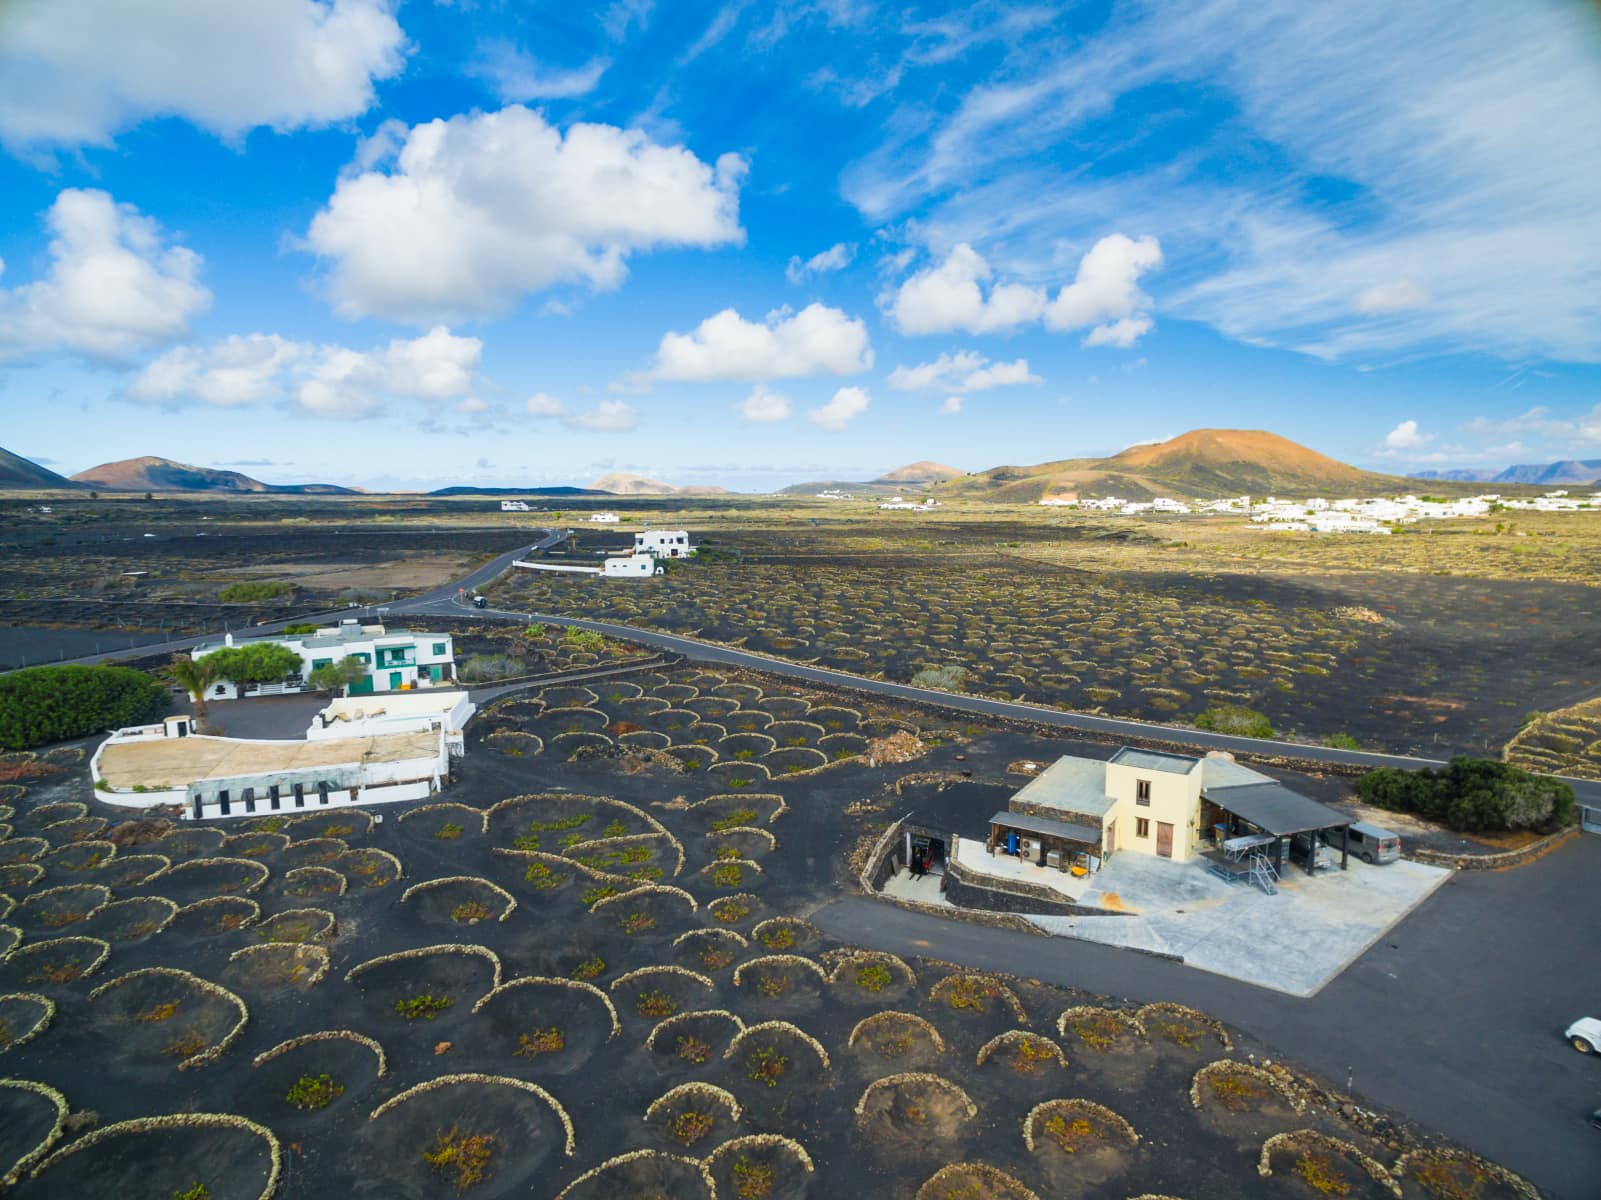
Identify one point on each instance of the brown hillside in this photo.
(151, 474)
(1202, 464)
(920, 472)
(1219, 447)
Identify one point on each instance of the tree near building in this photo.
(255, 662)
(193, 675)
(1472, 794)
(336, 676)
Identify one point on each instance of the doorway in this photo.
(1164, 839)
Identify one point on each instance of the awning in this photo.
(1276, 809)
(1044, 826)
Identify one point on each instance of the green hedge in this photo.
(40, 705)
(1472, 795)
(254, 592)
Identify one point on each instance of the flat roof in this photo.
(1275, 808)
(325, 641)
(393, 704)
(1028, 823)
(1220, 772)
(1070, 784)
(167, 762)
(1155, 760)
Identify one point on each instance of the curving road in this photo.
(452, 600)
(1588, 790)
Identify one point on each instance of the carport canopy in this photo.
(1065, 831)
(1274, 808)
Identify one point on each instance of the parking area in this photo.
(1295, 940)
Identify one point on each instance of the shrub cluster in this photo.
(1235, 719)
(39, 705)
(254, 592)
(1471, 795)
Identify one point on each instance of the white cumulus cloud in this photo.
(609, 416)
(964, 371)
(836, 257)
(115, 285)
(846, 405)
(950, 296)
(817, 340)
(466, 216)
(764, 406)
(1405, 437)
(1106, 292)
(958, 294)
(72, 74)
(951, 406)
(320, 380)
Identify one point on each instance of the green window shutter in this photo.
(439, 647)
(321, 662)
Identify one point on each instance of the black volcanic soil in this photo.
(606, 1083)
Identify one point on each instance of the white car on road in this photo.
(1585, 1035)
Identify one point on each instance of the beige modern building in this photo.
(1151, 802)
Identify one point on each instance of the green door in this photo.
(362, 687)
(395, 678)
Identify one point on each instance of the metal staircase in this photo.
(1263, 873)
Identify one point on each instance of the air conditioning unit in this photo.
(1029, 848)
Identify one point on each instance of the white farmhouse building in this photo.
(604, 518)
(514, 506)
(396, 660)
(634, 566)
(664, 543)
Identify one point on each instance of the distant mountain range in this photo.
(622, 484)
(913, 475)
(1571, 470)
(150, 474)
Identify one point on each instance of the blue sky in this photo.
(419, 244)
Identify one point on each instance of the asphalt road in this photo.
(1587, 790)
(1454, 1019)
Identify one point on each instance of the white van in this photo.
(1370, 843)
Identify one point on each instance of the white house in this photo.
(604, 518)
(150, 765)
(634, 566)
(396, 661)
(514, 506)
(664, 543)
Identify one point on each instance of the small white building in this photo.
(634, 566)
(664, 543)
(396, 661)
(514, 506)
(604, 518)
(400, 712)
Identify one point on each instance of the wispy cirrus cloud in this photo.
(1354, 180)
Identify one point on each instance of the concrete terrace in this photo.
(1295, 941)
(159, 763)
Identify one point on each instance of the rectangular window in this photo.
(1142, 827)
(439, 648)
(321, 662)
(1142, 792)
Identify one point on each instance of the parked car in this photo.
(1370, 843)
(1585, 1035)
(480, 601)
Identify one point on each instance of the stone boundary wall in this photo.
(1493, 862)
(1012, 896)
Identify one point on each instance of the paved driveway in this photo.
(1294, 941)
(1453, 1018)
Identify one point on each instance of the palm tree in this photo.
(193, 675)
